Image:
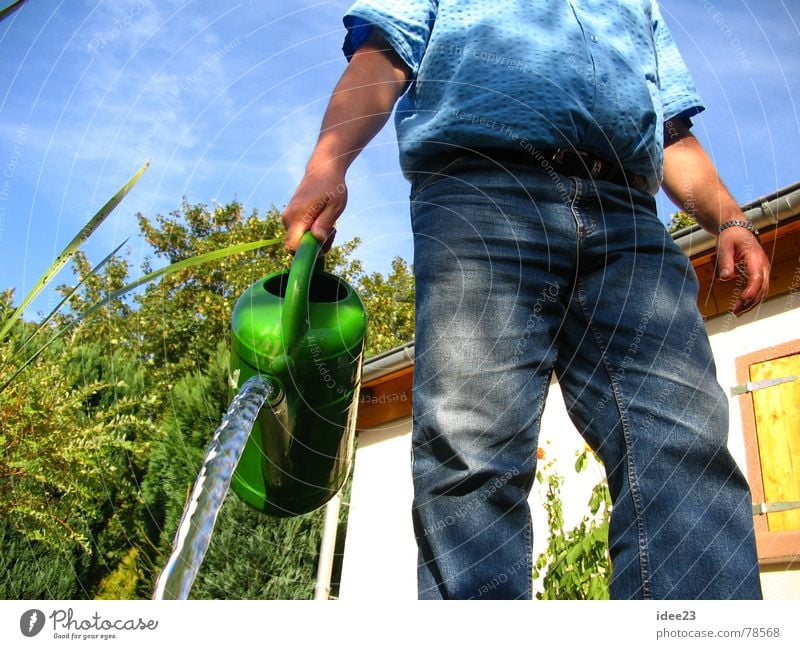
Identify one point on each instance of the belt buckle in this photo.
(593, 166)
(558, 156)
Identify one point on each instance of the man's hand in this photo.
(739, 250)
(318, 201)
(692, 183)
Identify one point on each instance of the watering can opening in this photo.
(304, 330)
(324, 287)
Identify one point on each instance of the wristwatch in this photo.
(738, 223)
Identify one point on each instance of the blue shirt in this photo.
(598, 75)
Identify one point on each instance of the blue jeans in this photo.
(521, 271)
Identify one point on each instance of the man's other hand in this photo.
(740, 253)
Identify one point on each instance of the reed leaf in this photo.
(71, 248)
(10, 9)
(67, 298)
(178, 266)
(168, 270)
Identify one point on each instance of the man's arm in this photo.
(692, 183)
(359, 107)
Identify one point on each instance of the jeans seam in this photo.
(633, 484)
(574, 209)
(529, 556)
(582, 230)
(529, 486)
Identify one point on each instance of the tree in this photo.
(389, 302)
(103, 435)
(680, 220)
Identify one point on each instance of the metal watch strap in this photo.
(738, 223)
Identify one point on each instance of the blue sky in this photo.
(226, 99)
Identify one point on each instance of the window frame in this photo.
(773, 547)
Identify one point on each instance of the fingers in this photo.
(740, 253)
(296, 226)
(756, 270)
(725, 258)
(326, 245)
(323, 226)
(314, 207)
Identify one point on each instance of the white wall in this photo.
(775, 322)
(380, 553)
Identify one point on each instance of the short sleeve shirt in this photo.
(596, 75)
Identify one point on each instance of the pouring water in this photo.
(210, 488)
(298, 339)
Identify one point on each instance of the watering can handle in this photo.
(294, 320)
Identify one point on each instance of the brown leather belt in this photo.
(568, 162)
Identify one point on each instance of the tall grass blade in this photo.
(67, 298)
(178, 266)
(72, 248)
(168, 270)
(10, 9)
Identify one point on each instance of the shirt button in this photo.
(593, 38)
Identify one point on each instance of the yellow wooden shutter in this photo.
(777, 414)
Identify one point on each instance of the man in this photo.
(535, 135)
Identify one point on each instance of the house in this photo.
(758, 363)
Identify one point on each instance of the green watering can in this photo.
(302, 330)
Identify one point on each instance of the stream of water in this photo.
(210, 488)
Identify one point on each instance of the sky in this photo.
(225, 99)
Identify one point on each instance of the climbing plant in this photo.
(575, 564)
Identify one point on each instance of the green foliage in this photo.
(124, 581)
(10, 9)
(256, 557)
(195, 408)
(55, 458)
(390, 304)
(575, 564)
(103, 435)
(36, 570)
(66, 254)
(678, 221)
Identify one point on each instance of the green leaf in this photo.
(68, 296)
(168, 270)
(72, 247)
(177, 267)
(10, 9)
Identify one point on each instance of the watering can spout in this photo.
(304, 329)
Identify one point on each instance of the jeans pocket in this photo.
(424, 179)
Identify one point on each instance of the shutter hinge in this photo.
(759, 509)
(752, 386)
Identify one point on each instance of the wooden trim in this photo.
(773, 547)
(779, 548)
(385, 399)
